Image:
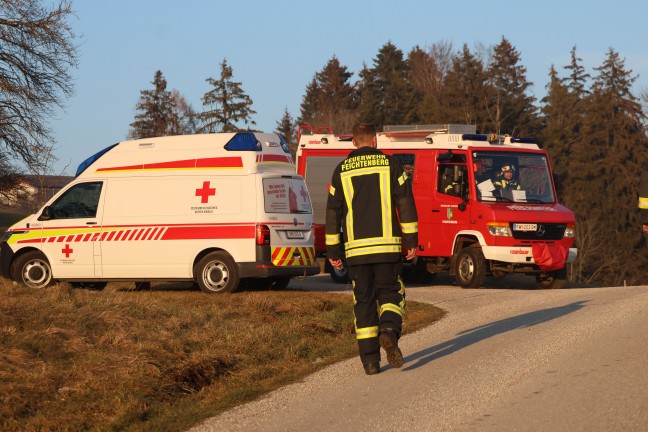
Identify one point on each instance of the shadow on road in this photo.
(478, 334)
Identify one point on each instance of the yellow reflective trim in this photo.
(385, 203)
(373, 241)
(347, 185)
(402, 179)
(643, 203)
(389, 307)
(367, 332)
(372, 250)
(331, 190)
(409, 227)
(332, 239)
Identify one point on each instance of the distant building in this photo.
(32, 191)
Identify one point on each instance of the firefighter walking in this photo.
(370, 210)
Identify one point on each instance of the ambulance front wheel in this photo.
(216, 273)
(470, 267)
(33, 270)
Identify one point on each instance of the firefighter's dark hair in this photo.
(364, 133)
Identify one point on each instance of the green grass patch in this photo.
(74, 359)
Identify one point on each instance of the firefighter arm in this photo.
(334, 215)
(404, 202)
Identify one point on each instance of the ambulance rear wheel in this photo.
(470, 267)
(33, 270)
(217, 273)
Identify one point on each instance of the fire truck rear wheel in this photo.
(470, 267)
(216, 273)
(33, 270)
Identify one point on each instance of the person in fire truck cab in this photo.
(367, 190)
(643, 198)
(505, 179)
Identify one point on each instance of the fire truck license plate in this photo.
(525, 227)
(295, 234)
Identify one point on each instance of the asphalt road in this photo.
(502, 359)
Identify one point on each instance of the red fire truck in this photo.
(486, 204)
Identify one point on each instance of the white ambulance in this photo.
(217, 209)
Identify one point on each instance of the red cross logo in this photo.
(67, 251)
(303, 193)
(205, 192)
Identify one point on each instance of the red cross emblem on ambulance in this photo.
(205, 192)
(67, 251)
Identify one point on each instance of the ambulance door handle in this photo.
(91, 223)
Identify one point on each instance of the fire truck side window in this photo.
(452, 180)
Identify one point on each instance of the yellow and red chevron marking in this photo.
(90, 234)
(284, 256)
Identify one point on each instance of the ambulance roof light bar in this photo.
(243, 141)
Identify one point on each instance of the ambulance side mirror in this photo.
(46, 214)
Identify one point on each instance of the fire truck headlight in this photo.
(570, 231)
(500, 229)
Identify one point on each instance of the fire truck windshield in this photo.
(512, 177)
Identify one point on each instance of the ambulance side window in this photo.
(80, 201)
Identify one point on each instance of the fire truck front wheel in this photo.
(33, 270)
(216, 273)
(553, 280)
(470, 267)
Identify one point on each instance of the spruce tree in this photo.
(510, 108)
(286, 128)
(386, 94)
(465, 92)
(330, 99)
(557, 121)
(605, 178)
(428, 70)
(226, 105)
(155, 114)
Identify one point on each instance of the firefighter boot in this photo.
(372, 368)
(389, 342)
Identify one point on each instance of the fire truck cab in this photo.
(486, 204)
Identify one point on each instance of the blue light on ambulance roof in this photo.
(474, 137)
(245, 141)
(86, 163)
(284, 144)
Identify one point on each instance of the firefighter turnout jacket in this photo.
(370, 209)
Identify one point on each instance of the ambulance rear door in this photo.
(289, 218)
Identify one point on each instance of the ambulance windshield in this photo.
(513, 177)
(286, 195)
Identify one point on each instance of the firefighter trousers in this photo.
(378, 303)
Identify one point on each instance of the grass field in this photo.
(165, 359)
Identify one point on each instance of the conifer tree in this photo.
(510, 108)
(557, 124)
(286, 127)
(606, 167)
(428, 70)
(227, 105)
(386, 94)
(154, 110)
(330, 99)
(465, 91)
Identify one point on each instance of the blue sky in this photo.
(275, 48)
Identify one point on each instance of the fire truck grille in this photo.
(545, 231)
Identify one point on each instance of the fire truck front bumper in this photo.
(517, 254)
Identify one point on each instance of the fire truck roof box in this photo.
(432, 128)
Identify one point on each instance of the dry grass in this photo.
(74, 359)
